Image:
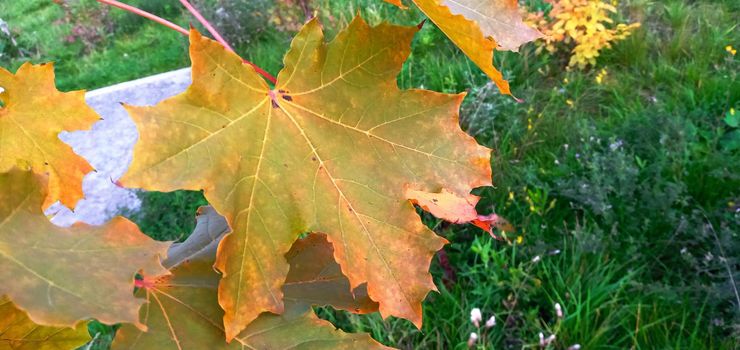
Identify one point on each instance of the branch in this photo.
(206, 24)
(184, 31)
(145, 14)
(221, 40)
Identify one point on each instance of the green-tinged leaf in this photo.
(732, 119)
(18, 332)
(63, 275)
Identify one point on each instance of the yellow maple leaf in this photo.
(34, 114)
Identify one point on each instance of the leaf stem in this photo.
(220, 39)
(145, 14)
(184, 31)
(205, 23)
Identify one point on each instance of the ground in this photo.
(623, 190)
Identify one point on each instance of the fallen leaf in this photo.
(330, 149)
(183, 312)
(34, 114)
(62, 275)
(18, 332)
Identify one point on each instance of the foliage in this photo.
(242, 22)
(582, 25)
(90, 24)
(324, 91)
(8, 45)
(671, 289)
(125, 58)
(289, 15)
(169, 216)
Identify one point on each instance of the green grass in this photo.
(636, 184)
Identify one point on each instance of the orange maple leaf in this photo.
(330, 149)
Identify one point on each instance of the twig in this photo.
(205, 23)
(184, 31)
(145, 14)
(221, 40)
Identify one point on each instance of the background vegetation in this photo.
(624, 190)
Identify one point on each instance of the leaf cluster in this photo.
(333, 148)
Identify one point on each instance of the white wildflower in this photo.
(473, 339)
(558, 310)
(476, 316)
(491, 322)
(546, 341)
(614, 146)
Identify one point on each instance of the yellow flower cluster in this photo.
(582, 23)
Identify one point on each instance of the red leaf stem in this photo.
(145, 14)
(205, 23)
(221, 40)
(184, 31)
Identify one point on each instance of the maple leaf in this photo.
(478, 27)
(18, 332)
(330, 149)
(183, 312)
(62, 275)
(34, 114)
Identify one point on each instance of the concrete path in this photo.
(108, 146)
